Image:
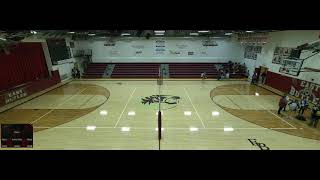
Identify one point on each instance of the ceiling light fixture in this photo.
(159, 31)
(194, 34)
(125, 34)
(203, 31)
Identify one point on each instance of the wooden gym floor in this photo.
(122, 114)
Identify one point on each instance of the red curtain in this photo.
(26, 62)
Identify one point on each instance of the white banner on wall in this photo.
(160, 43)
(182, 46)
(174, 52)
(137, 46)
(209, 42)
(114, 52)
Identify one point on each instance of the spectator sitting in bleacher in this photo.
(227, 75)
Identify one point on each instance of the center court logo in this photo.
(167, 101)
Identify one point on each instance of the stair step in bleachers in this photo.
(95, 70)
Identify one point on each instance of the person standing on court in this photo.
(263, 77)
(220, 74)
(315, 115)
(282, 103)
(303, 105)
(204, 75)
(73, 73)
(78, 73)
(254, 78)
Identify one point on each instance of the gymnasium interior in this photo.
(159, 89)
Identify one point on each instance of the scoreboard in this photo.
(16, 136)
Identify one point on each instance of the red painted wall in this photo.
(25, 63)
(34, 86)
(293, 86)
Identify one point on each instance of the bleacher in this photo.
(95, 70)
(136, 70)
(151, 70)
(192, 70)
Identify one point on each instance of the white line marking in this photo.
(125, 108)
(194, 107)
(153, 128)
(266, 109)
(79, 92)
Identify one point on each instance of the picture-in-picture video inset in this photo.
(16, 136)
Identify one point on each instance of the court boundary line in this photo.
(79, 92)
(194, 107)
(266, 109)
(149, 128)
(125, 107)
(153, 79)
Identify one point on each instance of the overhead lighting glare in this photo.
(249, 31)
(228, 129)
(103, 113)
(91, 128)
(228, 34)
(203, 31)
(125, 129)
(91, 34)
(215, 113)
(193, 129)
(71, 32)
